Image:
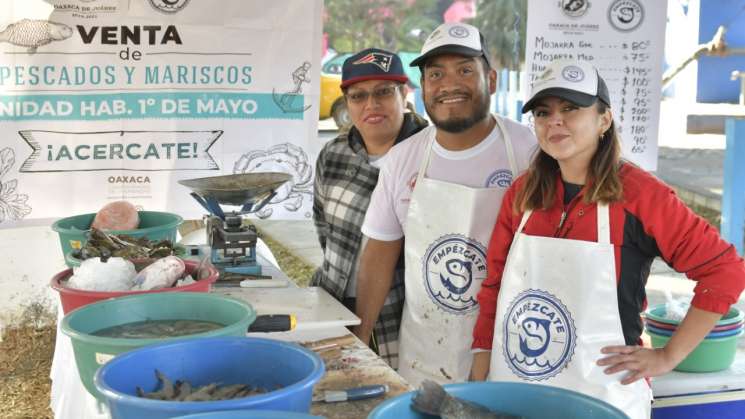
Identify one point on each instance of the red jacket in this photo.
(650, 221)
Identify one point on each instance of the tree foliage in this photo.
(394, 25)
(503, 24)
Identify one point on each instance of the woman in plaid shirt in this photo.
(373, 82)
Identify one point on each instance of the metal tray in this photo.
(239, 189)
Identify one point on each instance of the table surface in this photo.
(681, 383)
(319, 316)
(356, 366)
(313, 307)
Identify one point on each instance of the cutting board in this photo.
(357, 366)
(313, 307)
(359, 409)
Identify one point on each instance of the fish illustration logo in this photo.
(459, 276)
(168, 6)
(573, 74)
(458, 32)
(500, 178)
(33, 34)
(539, 335)
(626, 15)
(453, 268)
(574, 8)
(534, 336)
(383, 61)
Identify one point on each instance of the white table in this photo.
(318, 315)
(702, 395)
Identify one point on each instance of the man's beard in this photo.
(457, 125)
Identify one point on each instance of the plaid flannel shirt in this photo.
(344, 182)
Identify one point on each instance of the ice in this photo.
(116, 274)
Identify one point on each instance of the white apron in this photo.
(557, 307)
(448, 227)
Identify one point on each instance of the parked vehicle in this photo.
(332, 98)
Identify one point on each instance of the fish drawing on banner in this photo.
(13, 205)
(286, 101)
(285, 158)
(34, 33)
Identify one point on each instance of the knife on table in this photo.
(351, 394)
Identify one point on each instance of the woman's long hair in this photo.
(603, 181)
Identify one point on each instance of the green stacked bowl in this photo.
(714, 353)
(91, 351)
(154, 225)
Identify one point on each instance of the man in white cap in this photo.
(441, 190)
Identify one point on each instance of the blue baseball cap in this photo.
(372, 64)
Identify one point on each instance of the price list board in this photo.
(624, 40)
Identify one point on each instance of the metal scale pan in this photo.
(251, 191)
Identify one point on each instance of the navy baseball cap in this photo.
(574, 81)
(372, 64)
(453, 38)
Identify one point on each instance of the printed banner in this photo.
(625, 40)
(104, 100)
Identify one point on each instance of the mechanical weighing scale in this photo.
(232, 246)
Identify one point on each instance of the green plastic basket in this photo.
(710, 355)
(93, 351)
(154, 225)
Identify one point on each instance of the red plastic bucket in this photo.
(72, 298)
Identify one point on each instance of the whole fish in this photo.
(182, 390)
(432, 399)
(162, 273)
(34, 33)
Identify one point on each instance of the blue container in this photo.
(250, 414)
(266, 363)
(528, 400)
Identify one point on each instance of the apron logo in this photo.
(539, 335)
(454, 266)
(573, 74)
(501, 178)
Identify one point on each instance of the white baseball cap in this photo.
(453, 38)
(575, 81)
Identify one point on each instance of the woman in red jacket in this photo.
(571, 251)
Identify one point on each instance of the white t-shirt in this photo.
(483, 165)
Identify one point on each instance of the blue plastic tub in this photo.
(251, 414)
(533, 401)
(258, 362)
